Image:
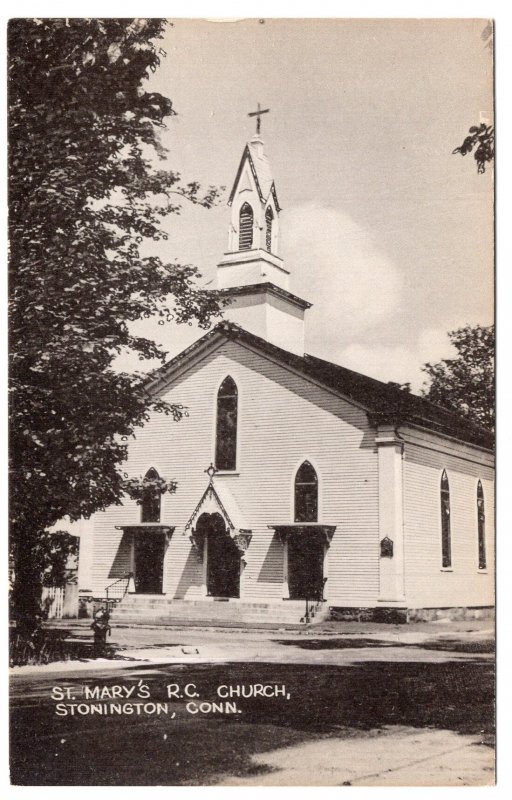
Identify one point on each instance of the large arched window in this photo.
(269, 217)
(480, 508)
(150, 505)
(227, 420)
(306, 494)
(246, 226)
(445, 521)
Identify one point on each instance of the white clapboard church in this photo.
(298, 480)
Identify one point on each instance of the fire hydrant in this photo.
(101, 628)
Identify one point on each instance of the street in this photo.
(352, 703)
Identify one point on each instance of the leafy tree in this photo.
(465, 384)
(84, 196)
(481, 138)
(53, 554)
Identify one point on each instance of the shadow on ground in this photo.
(346, 643)
(325, 701)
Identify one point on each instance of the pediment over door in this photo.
(217, 499)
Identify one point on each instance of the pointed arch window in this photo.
(480, 507)
(151, 503)
(227, 423)
(269, 218)
(306, 494)
(445, 521)
(246, 227)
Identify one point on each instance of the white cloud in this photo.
(336, 265)
(356, 289)
(400, 363)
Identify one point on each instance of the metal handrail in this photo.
(118, 588)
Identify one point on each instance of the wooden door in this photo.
(149, 562)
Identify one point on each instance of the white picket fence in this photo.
(53, 598)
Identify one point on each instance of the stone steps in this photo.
(163, 610)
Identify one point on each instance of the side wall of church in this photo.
(427, 583)
(283, 419)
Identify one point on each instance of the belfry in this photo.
(251, 274)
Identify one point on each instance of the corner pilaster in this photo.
(391, 526)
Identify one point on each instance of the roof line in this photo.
(367, 393)
(267, 286)
(247, 154)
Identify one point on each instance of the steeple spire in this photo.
(251, 274)
(253, 245)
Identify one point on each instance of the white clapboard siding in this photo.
(283, 420)
(426, 583)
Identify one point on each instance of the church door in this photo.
(305, 567)
(223, 560)
(149, 552)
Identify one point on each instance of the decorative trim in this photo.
(242, 539)
(147, 527)
(247, 154)
(210, 491)
(305, 529)
(263, 288)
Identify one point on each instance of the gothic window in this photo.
(246, 226)
(306, 494)
(150, 505)
(445, 521)
(480, 507)
(227, 419)
(269, 216)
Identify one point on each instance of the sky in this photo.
(384, 230)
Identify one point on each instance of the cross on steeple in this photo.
(258, 114)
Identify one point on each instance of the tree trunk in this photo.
(27, 579)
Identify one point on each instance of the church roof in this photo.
(383, 401)
(261, 288)
(262, 174)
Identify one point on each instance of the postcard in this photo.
(252, 402)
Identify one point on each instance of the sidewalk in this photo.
(391, 756)
(410, 632)
(337, 643)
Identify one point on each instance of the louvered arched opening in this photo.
(445, 521)
(151, 501)
(246, 227)
(269, 218)
(306, 494)
(480, 507)
(227, 423)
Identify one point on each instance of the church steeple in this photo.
(252, 274)
(253, 239)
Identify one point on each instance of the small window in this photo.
(445, 521)
(269, 217)
(150, 506)
(306, 494)
(480, 507)
(246, 227)
(227, 421)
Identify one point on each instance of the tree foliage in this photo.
(84, 196)
(53, 553)
(465, 384)
(480, 139)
